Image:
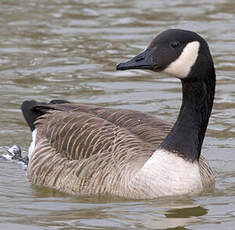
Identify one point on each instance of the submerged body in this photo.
(85, 149)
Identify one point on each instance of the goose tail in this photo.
(32, 110)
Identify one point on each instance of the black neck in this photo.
(187, 134)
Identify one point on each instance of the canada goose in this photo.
(86, 149)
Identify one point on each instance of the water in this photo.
(69, 50)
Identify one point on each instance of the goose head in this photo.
(180, 53)
(185, 55)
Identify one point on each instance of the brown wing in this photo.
(79, 131)
(87, 149)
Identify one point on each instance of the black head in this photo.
(181, 53)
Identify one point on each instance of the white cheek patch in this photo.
(182, 65)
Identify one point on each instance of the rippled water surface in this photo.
(69, 49)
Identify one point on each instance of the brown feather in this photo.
(85, 149)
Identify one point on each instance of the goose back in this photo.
(88, 149)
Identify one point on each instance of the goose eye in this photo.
(175, 44)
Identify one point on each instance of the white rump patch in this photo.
(182, 65)
(32, 145)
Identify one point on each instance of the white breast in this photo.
(168, 174)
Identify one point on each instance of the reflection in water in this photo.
(180, 217)
(89, 213)
(69, 50)
(176, 213)
(186, 212)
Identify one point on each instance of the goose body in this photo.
(86, 149)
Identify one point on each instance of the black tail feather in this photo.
(29, 113)
(32, 110)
